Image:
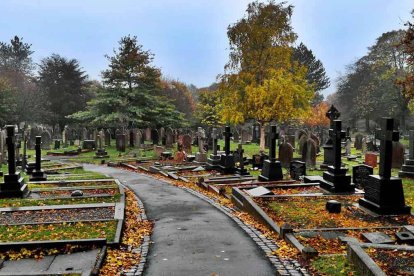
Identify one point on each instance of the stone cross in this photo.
(332, 114)
(214, 137)
(337, 134)
(227, 134)
(10, 149)
(411, 149)
(38, 148)
(240, 151)
(273, 136)
(201, 135)
(387, 135)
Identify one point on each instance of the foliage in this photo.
(132, 95)
(260, 77)
(316, 74)
(208, 108)
(407, 81)
(64, 84)
(7, 102)
(368, 89)
(333, 265)
(180, 96)
(318, 115)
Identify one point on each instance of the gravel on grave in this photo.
(67, 193)
(56, 215)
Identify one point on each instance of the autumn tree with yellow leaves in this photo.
(260, 81)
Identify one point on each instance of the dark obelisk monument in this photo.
(336, 179)
(272, 169)
(38, 174)
(227, 164)
(13, 185)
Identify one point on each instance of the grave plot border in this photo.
(119, 215)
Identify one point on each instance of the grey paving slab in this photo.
(190, 236)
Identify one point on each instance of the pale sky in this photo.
(188, 37)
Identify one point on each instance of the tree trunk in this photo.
(367, 124)
(262, 136)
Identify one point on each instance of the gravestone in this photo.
(384, 194)
(214, 160)
(120, 142)
(162, 136)
(101, 152)
(88, 144)
(201, 155)
(272, 169)
(139, 138)
(13, 185)
(371, 159)
(336, 179)
(65, 136)
(358, 141)
(407, 169)
(169, 137)
(377, 237)
(131, 138)
(227, 164)
(256, 134)
(186, 144)
(297, 169)
(348, 147)
(148, 134)
(46, 140)
(245, 136)
(360, 175)
(108, 138)
(285, 154)
(38, 174)
(155, 136)
(258, 160)
(328, 155)
(291, 140)
(397, 155)
(309, 153)
(241, 170)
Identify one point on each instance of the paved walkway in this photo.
(190, 236)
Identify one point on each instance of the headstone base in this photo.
(227, 164)
(407, 170)
(201, 157)
(213, 162)
(384, 196)
(38, 176)
(337, 182)
(13, 186)
(101, 153)
(30, 167)
(272, 171)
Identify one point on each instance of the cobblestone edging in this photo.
(283, 267)
(138, 269)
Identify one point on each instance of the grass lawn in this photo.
(333, 265)
(59, 231)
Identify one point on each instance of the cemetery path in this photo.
(190, 237)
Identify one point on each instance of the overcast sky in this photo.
(188, 37)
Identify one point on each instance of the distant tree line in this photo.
(132, 92)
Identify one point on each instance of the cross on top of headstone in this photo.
(273, 136)
(387, 135)
(332, 114)
(227, 134)
(337, 134)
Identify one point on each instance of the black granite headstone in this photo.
(360, 174)
(272, 169)
(38, 174)
(384, 194)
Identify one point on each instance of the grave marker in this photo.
(38, 174)
(384, 194)
(272, 169)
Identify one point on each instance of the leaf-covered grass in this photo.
(333, 265)
(59, 231)
(67, 201)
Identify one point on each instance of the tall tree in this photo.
(7, 103)
(131, 67)
(180, 96)
(407, 45)
(64, 84)
(316, 74)
(132, 92)
(208, 108)
(260, 81)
